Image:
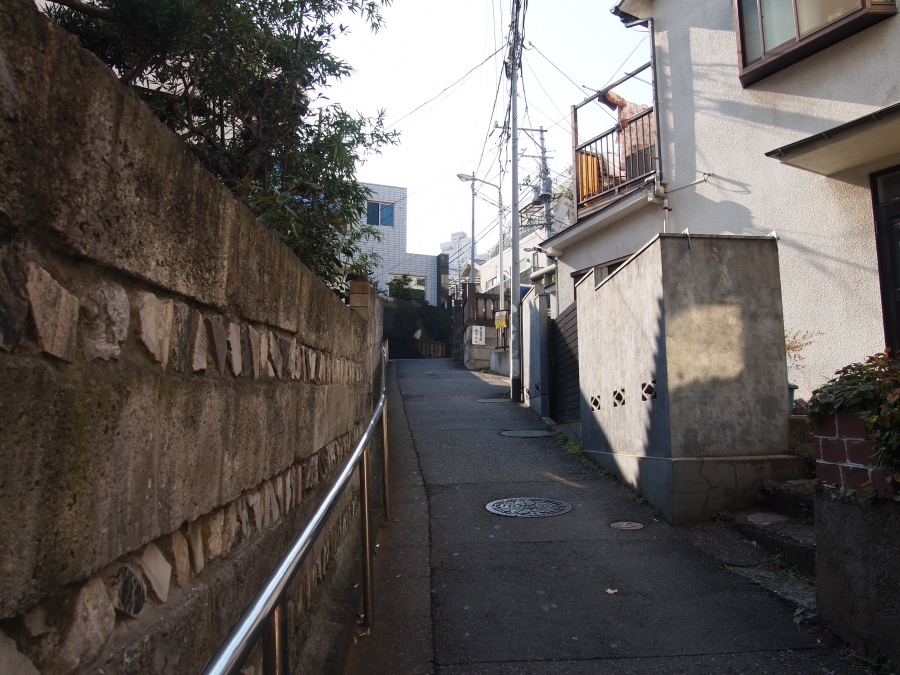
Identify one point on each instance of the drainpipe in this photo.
(631, 21)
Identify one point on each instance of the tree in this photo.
(240, 82)
(399, 287)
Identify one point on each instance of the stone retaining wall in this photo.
(178, 390)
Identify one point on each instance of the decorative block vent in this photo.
(648, 390)
(595, 403)
(619, 397)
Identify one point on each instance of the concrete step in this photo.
(791, 541)
(795, 498)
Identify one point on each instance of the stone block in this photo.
(215, 328)
(231, 529)
(12, 661)
(13, 305)
(293, 360)
(311, 473)
(278, 487)
(284, 346)
(157, 571)
(275, 361)
(199, 345)
(183, 332)
(311, 359)
(195, 540)
(233, 337)
(273, 513)
(361, 287)
(251, 363)
(129, 595)
(156, 319)
(288, 479)
(256, 510)
(265, 368)
(175, 548)
(107, 314)
(55, 313)
(77, 628)
(243, 515)
(298, 483)
(211, 527)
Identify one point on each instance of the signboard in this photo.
(500, 318)
(477, 335)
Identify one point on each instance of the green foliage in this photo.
(872, 390)
(398, 287)
(240, 83)
(876, 661)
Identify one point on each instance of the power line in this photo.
(449, 86)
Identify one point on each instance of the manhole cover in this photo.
(626, 525)
(527, 433)
(492, 400)
(528, 507)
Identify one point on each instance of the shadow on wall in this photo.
(683, 371)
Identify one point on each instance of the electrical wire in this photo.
(450, 86)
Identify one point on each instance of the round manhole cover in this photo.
(626, 525)
(527, 433)
(528, 507)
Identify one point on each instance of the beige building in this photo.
(769, 116)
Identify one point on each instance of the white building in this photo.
(387, 211)
(786, 121)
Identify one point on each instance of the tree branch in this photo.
(86, 9)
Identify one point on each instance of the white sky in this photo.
(428, 45)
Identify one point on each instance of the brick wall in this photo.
(844, 455)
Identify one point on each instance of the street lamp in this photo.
(466, 177)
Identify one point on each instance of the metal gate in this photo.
(565, 402)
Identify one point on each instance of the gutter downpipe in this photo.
(658, 185)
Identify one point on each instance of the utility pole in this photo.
(545, 186)
(515, 296)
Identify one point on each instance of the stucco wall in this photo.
(825, 224)
(683, 380)
(178, 389)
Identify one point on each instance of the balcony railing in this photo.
(614, 162)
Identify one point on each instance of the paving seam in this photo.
(396, 380)
(590, 659)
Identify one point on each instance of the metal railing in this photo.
(266, 615)
(614, 161)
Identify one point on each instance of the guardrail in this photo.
(266, 615)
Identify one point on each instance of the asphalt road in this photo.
(463, 591)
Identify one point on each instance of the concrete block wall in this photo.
(683, 373)
(178, 390)
(844, 456)
(535, 350)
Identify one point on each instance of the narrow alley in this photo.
(463, 591)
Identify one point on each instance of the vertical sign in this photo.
(477, 335)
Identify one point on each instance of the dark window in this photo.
(380, 214)
(774, 34)
(886, 201)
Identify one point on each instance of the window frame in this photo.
(867, 14)
(381, 210)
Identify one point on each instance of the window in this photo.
(380, 214)
(886, 202)
(774, 34)
(414, 284)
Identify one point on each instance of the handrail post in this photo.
(275, 646)
(384, 440)
(366, 543)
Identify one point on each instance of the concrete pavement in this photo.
(462, 591)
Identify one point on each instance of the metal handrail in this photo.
(265, 616)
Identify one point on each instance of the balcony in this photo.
(614, 163)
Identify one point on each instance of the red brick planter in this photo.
(844, 455)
